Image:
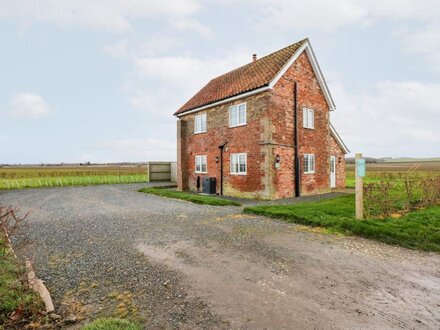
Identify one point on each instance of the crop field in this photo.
(53, 176)
(395, 170)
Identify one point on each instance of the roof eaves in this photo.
(224, 100)
(339, 139)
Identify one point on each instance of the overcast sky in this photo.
(99, 80)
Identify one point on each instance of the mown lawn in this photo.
(190, 197)
(416, 230)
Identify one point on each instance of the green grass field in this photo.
(58, 176)
(376, 171)
(416, 230)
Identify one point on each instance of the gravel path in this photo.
(109, 250)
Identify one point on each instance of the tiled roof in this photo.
(244, 79)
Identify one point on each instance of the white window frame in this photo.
(308, 118)
(199, 162)
(309, 163)
(234, 115)
(236, 159)
(200, 123)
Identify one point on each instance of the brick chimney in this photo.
(254, 57)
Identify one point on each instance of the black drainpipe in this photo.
(295, 140)
(221, 147)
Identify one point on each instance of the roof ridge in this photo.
(260, 59)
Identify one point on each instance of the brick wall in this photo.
(313, 141)
(335, 150)
(239, 139)
(268, 132)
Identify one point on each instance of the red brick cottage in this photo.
(241, 130)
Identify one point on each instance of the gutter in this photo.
(295, 140)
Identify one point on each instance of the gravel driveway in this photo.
(109, 250)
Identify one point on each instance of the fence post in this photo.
(359, 188)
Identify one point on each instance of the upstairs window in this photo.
(200, 123)
(237, 115)
(308, 118)
(238, 163)
(309, 163)
(201, 164)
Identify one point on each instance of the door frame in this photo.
(333, 174)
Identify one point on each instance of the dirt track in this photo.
(190, 266)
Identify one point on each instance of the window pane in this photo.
(305, 111)
(242, 114)
(310, 119)
(235, 163)
(233, 116)
(203, 123)
(196, 124)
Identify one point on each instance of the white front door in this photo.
(332, 171)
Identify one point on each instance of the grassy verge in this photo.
(416, 230)
(14, 295)
(111, 324)
(39, 182)
(193, 198)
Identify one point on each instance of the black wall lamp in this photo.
(277, 161)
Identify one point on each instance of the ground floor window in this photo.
(201, 164)
(309, 163)
(239, 163)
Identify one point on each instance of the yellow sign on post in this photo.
(360, 173)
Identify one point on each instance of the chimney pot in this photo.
(254, 57)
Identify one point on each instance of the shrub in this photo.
(430, 188)
(15, 296)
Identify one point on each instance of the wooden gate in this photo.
(161, 171)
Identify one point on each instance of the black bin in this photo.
(209, 185)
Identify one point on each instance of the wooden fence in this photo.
(162, 171)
